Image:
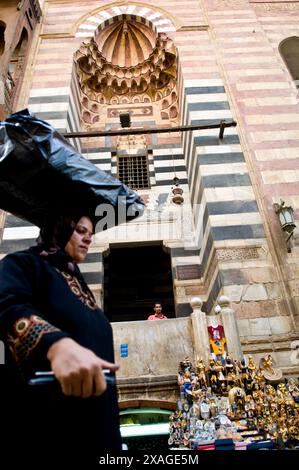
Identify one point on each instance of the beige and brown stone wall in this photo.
(19, 22)
(264, 98)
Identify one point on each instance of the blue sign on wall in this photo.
(124, 350)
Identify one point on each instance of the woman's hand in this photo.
(78, 370)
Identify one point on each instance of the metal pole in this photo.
(153, 130)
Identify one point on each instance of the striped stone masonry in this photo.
(264, 90)
(83, 18)
(220, 187)
(265, 97)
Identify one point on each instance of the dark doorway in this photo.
(136, 278)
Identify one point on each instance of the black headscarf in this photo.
(53, 238)
(57, 231)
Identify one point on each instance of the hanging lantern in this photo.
(286, 217)
(177, 192)
(287, 222)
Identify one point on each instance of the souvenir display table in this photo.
(234, 405)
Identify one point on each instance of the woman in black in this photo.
(49, 320)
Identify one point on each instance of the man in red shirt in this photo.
(158, 315)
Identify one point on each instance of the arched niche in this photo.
(289, 50)
(127, 62)
(17, 60)
(2, 37)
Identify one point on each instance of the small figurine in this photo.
(187, 364)
(293, 389)
(282, 391)
(270, 391)
(186, 386)
(251, 366)
(244, 374)
(238, 373)
(260, 379)
(293, 434)
(201, 373)
(229, 371)
(236, 397)
(270, 373)
(213, 373)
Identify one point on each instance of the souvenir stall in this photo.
(234, 404)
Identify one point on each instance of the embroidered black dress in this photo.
(42, 299)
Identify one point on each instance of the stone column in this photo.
(230, 328)
(2, 88)
(2, 223)
(200, 330)
(2, 98)
(96, 255)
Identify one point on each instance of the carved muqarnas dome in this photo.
(126, 43)
(126, 58)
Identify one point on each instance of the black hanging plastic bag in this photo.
(42, 175)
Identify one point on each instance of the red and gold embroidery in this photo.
(75, 286)
(26, 334)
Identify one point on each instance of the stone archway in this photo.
(289, 50)
(104, 17)
(126, 62)
(2, 37)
